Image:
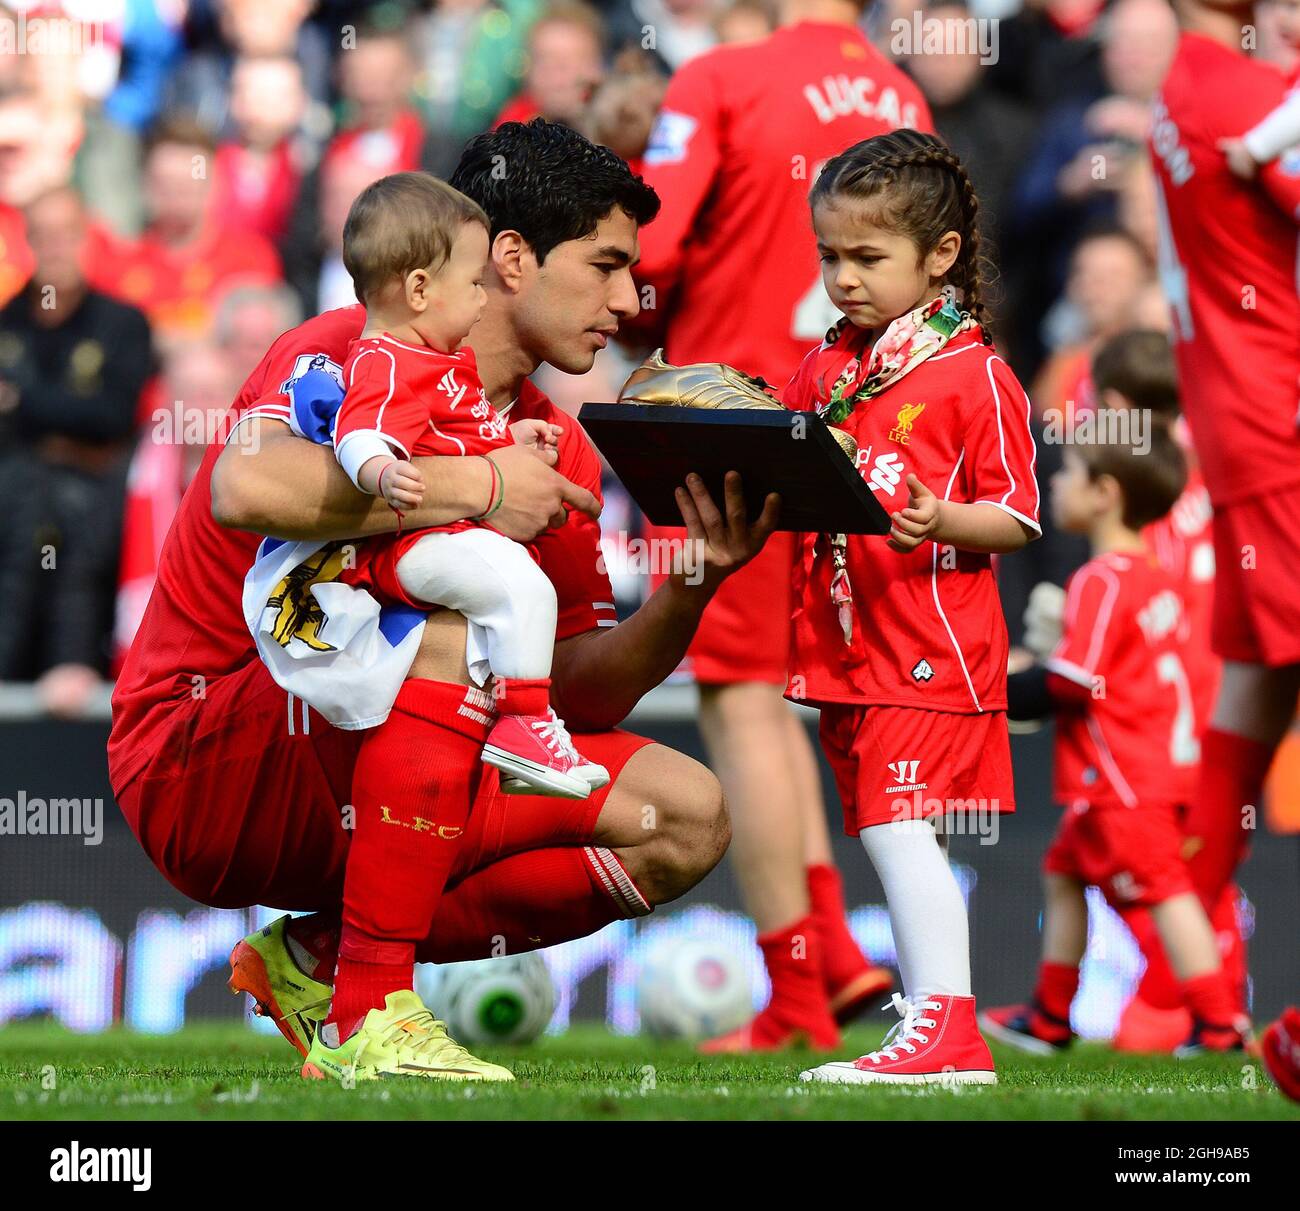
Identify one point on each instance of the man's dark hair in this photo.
(549, 183)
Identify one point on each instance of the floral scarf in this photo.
(904, 345)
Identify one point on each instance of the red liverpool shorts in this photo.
(1257, 581)
(745, 632)
(1133, 854)
(244, 804)
(898, 763)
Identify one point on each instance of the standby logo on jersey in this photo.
(886, 473)
(312, 361)
(905, 774)
(907, 414)
(453, 390)
(670, 138)
(922, 671)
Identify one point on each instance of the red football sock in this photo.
(314, 944)
(793, 957)
(536, 898)
(1232, 946)
(414, 781)
(841, 958)
(1210, 999)
(1057, 984)
(1231, 776)
(1159, 986)
(517, 696)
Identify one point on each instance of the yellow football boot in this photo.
(262, 966)
(402, 1039)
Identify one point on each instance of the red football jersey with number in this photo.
(1228, 266)
(1126, 727)
(193, 629)
(928, 628)
(741, 136)
(406, 400)
(1183, 543)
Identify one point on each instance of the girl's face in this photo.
(872, 274)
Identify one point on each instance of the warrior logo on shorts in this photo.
(904, 774)
(300, 615)
(922, 671)
(907, 414)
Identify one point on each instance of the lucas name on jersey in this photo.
(840, 95)
(834, 97)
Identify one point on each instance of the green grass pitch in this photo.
(226, 1072)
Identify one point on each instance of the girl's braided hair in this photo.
(923, 191)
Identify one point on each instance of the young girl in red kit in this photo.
(901, 640)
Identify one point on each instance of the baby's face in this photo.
(457, 289)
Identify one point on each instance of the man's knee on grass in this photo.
(682, 819)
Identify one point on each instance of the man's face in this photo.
(569, 307)
(177, 183)
(564, 67)
(1140, 39)
(1106, 276)
(56, 231)
(376, 78)
(946, 77)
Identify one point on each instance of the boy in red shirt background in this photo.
(1126, 740)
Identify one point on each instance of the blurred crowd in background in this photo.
(173, 188)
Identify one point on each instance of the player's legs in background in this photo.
(1193, 951)
(754, 753)
(1043, 1025)
(1156, 1017)
(1065, 939)
(1253, 710)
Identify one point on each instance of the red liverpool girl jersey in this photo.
(411, 400)
(928, 628)
(1126, 733)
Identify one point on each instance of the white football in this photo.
(693, 988)
(505, 1000)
